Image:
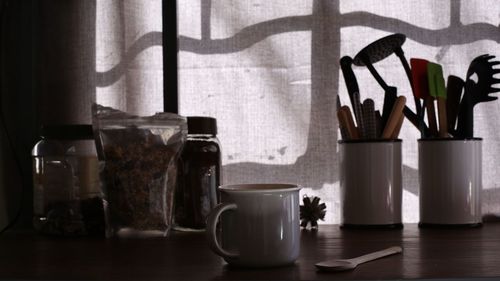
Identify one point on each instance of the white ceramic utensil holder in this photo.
(371, 183)
(450, 176)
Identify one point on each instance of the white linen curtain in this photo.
(268, 71)
(129, 55)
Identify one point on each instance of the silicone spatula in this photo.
(437, 90)
(421, 90)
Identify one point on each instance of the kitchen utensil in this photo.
(394, 118)
(342, 125)
(343, 130)
(345, 120)
(399, 52)
(438, 91)
(349, 77)
(379, 50)
(389, 100)
(359, 115)
(421, 91)
(349, 264)
(369, 119)
(454, 89)
(476, 92)
(352, 86)
(378, 123)
(395, 134)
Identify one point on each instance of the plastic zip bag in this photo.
(138, 157)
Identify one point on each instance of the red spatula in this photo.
(421, 90)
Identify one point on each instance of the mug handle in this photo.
(212, 220)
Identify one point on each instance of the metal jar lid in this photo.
(68, 132)
(202, 125)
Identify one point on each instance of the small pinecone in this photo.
(311, 212)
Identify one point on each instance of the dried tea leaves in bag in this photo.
(139, 156)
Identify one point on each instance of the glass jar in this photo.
(67, 194)
(199, 174)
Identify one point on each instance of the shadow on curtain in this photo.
(325, 55)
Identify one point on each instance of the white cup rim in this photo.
(260, 187)
(373, 141)
(450, 140)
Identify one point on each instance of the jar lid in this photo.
(202, 125)
(67, 132)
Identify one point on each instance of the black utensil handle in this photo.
(378, 123)
(369, 119)
(375, 74)
(416, 121)
(465, 126)
(454, 89)
(389, 100)
(431, 116)
(349, 77)
(399, 52)
(352, 89)
(422, 125)
(358, 114)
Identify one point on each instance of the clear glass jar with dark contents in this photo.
(67, 195)
(199, 175)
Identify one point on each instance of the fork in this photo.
(476, 92)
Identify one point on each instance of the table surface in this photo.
(427, 253)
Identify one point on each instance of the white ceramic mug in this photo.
(371, 183)
(450, 176)
(260, 225)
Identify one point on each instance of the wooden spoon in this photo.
(349, 264)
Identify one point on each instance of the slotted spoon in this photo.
(377, 51)
(476, 92)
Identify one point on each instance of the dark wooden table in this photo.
(428, 253)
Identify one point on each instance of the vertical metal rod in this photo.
(170, 51)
